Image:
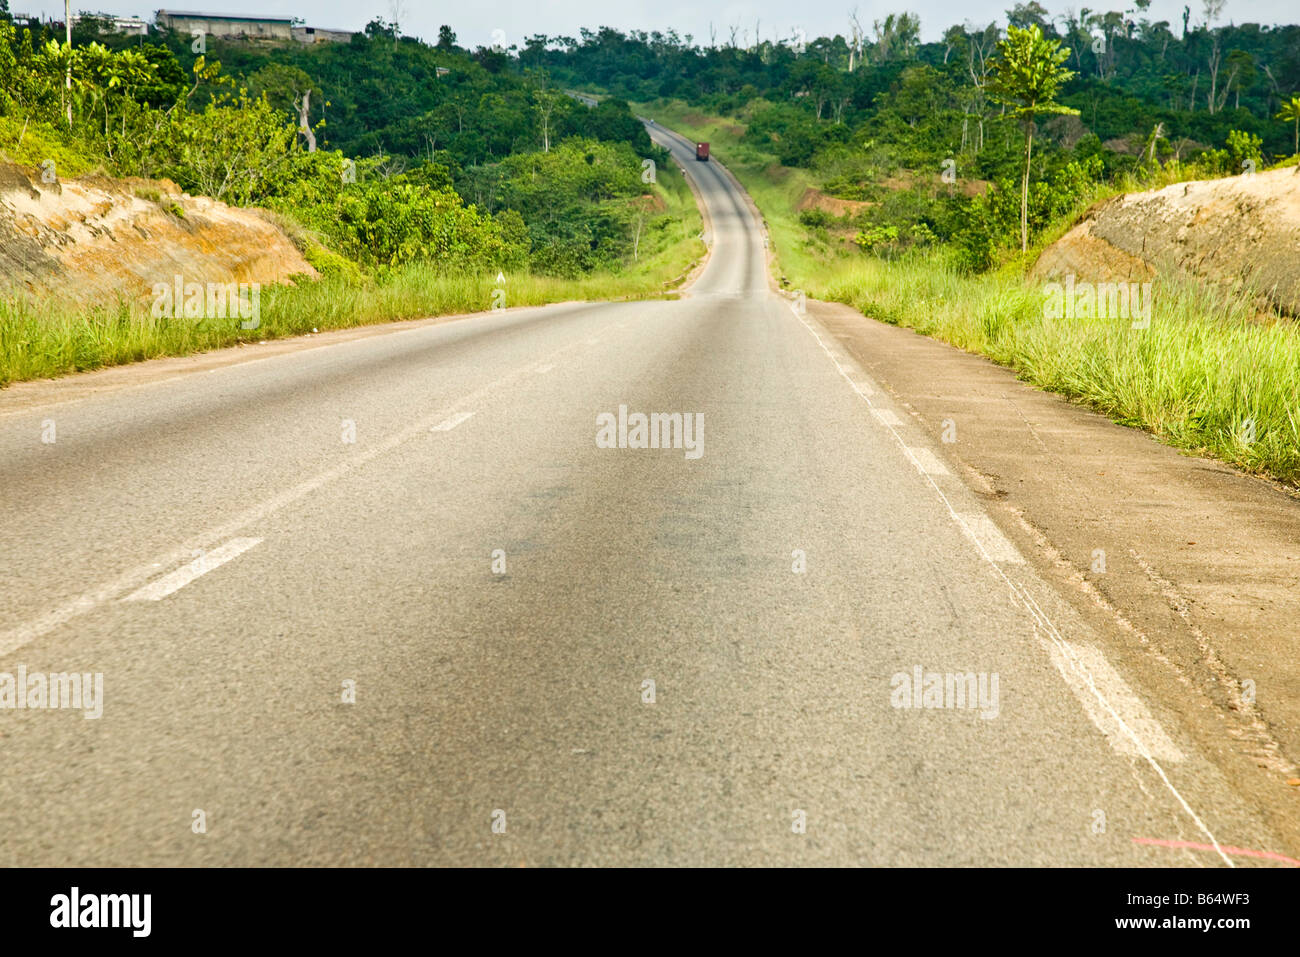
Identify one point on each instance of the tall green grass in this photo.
(1206, 376)
(43, 340)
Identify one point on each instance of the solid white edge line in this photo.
(927, 461)
(1136, 714)
(989, 538)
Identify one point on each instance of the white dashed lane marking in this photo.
(927, 461)
(446, 425)
(989, 538)
(1111, 704)
(157, 590)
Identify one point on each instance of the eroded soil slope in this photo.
(94, 239)
(1242, 231)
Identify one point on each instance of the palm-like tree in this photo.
(1291, 111)
(1027, 75)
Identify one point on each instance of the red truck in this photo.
(702, 152)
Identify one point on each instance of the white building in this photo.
(226, 26)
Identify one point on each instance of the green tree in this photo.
(1026, 15)
(1291, 112)
(231, 151)
(1245, 148)
(1027, 75)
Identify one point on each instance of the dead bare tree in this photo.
(1215, 60)
(1157, 134)
(1277, 90)
(303, 105)
(855, 46)
(1212, 9)
(979, 56)
(1227, 88)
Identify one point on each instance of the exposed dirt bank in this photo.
(97, 239)
(1242, 231)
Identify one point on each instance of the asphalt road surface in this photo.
(389, 601)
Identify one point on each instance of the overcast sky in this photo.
(474, 22)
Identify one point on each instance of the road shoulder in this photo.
(1190, 569)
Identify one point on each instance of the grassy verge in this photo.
(42, 339)
(1207, 376)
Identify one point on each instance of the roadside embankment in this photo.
(95, 239)
(83, 263)
(1242, 232)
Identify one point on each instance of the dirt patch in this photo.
(816, 199)
(652, 203)
(13, 178)
(1080, 253)
(902, 180)
(908, 179)
(1242, 232)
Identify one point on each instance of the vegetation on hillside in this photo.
(923, 144)
(922, 140)
(410, 175)
(374, 144)
(913, 180)
(918, 181)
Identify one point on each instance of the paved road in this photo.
(213, 546)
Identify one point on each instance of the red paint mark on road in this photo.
(1241, 851)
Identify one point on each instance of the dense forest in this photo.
(918, 133)
(446, 145)
(393, 150)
